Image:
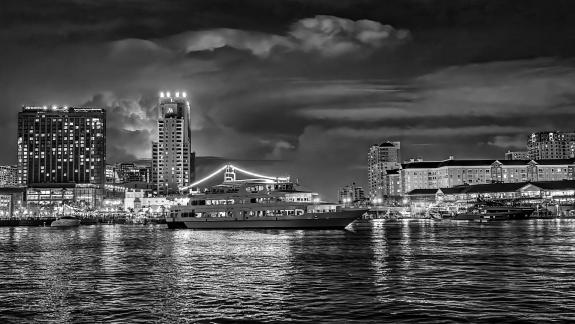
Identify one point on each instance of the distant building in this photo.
(8, 175)
(517, 155)
(173, 162)
(381, 159)
(450, 173)
(551, 145)
(393, 183)
(130, 172)
(112, 174)
(61, 147)
(351, 194)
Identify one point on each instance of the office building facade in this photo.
(173, 161)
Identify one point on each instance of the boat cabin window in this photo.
(188, 214)
(197, 202)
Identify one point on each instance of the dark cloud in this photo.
(298, 87)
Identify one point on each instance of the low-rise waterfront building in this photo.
(86, 196)
(450, 173)
(11, 201)
(549, 192)
(137, 200)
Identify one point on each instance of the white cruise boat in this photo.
(259, 204)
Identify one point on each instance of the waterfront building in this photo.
(351, 194)
(549, 193)
(451, 173)
(142, 200)
(11, 201)
(551, 145)
(381, 159)
(8, 176)
(48, 197)
(173, 161)
(59, 148)
(517, 155)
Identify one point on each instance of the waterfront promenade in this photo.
(91, 220)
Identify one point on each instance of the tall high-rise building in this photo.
(551, 145)
(61, 145)
(382, 158)
(173, 164)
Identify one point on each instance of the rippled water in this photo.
(411, 271)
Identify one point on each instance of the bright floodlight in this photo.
(162, 94)
(183, 94)
(168, 94)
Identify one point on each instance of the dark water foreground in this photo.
(411, 271)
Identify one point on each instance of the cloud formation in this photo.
(273, 80)
(327, 36)
(333, 36)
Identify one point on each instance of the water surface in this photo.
(410, 271)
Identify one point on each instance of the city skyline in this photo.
(309, 87)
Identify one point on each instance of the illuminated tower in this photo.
(172, 156)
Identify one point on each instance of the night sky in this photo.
(298, 87)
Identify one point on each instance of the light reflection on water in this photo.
(411, 271)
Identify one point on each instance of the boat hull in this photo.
(65, 223)
(334, 220)
(496, 215)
